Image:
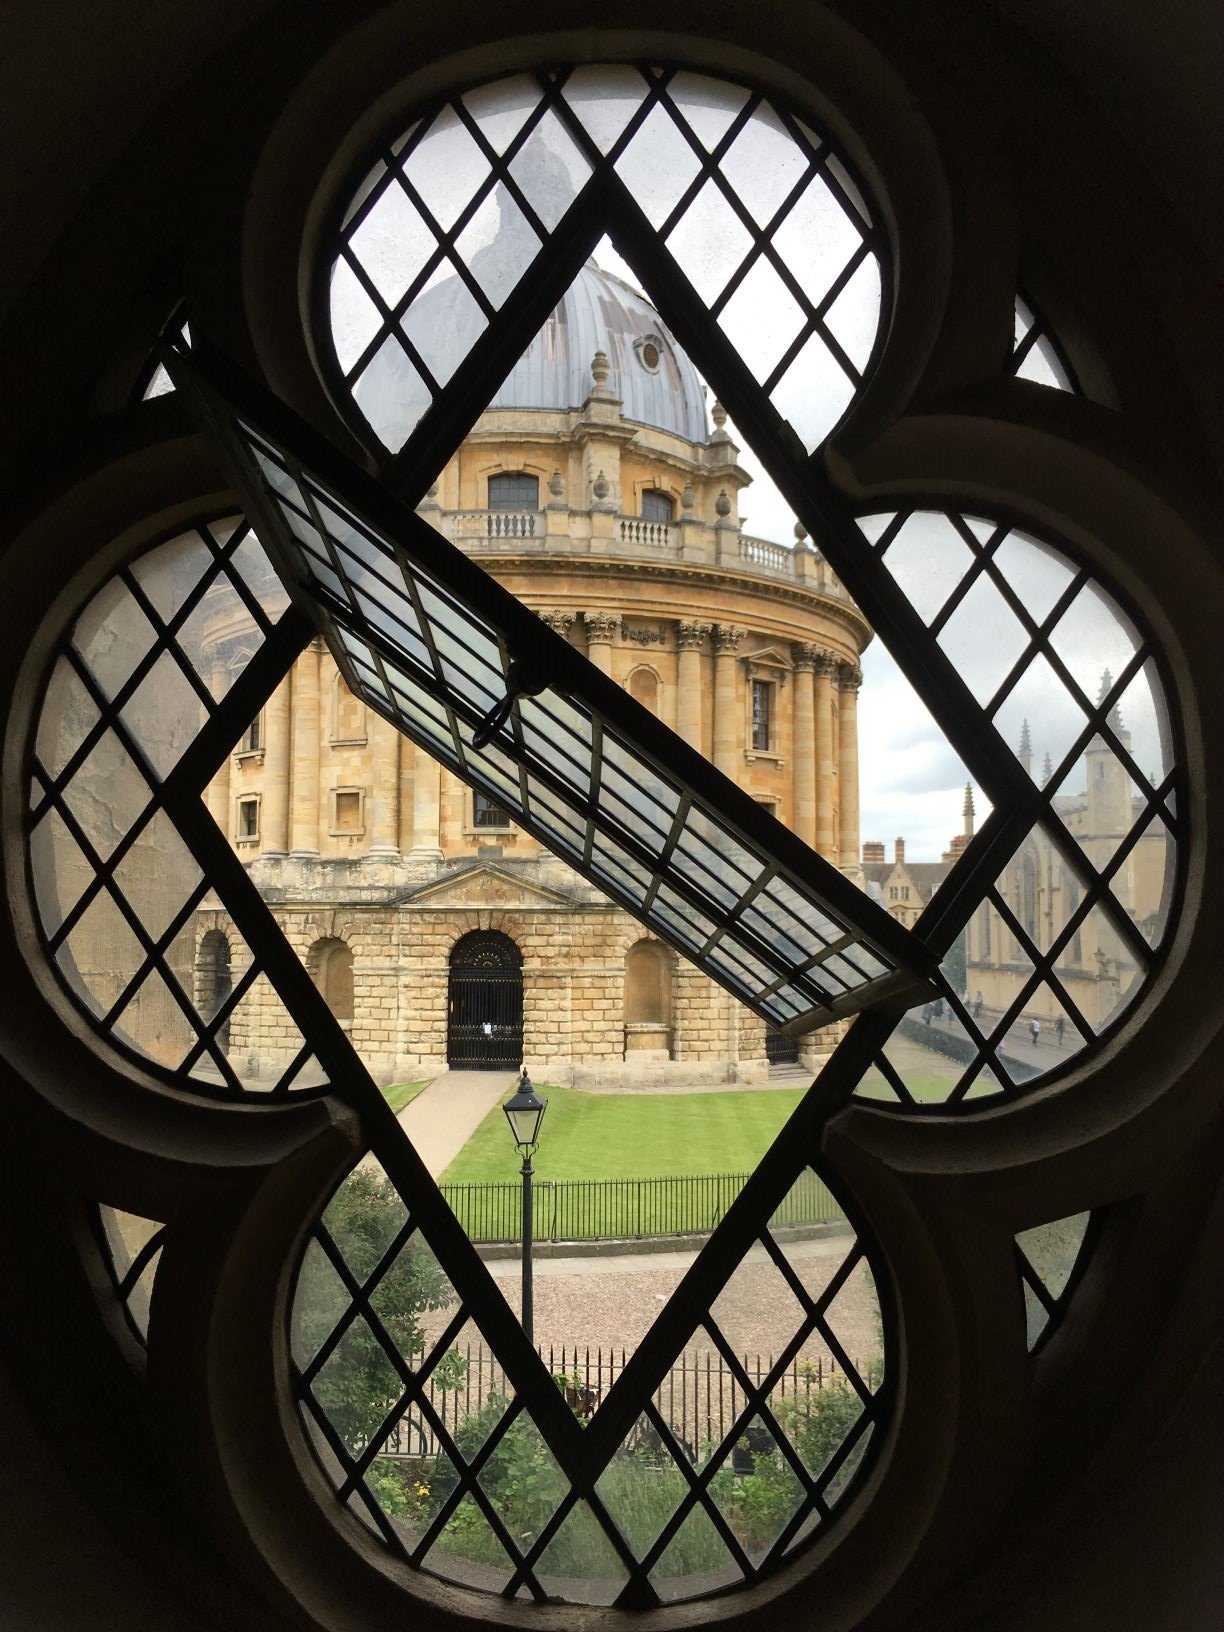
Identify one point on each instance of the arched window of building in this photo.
(348, 714)
(656, 506)
(514, 490)
(331, 961)
(214, 980)
(644, 688)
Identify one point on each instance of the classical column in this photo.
(426, 808)
(407, 764)
(805, 742)
(384, 800)
(217, 796)
(850, 679)
(274, 812)
(728, 717)
(304, 813)
(689, 638)
(559, 622)
(823, 667)
(600, 627)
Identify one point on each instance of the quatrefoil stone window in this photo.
(762, 254)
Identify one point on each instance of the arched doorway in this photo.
(214, 981)
(484, 1010)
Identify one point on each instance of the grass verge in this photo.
(401, 1094)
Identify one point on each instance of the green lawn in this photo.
(924, 1089)
(403, 1093)
(632, 1136)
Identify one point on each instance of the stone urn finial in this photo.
(719, 415)
(688, 498)
(600, 369)
(800, 532)
(723, 503)
(600, 486)
(555, 485)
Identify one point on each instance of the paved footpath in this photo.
(444, 1116)
(611, 1301)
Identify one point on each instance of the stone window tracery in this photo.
(983, 567)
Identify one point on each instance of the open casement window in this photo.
(437, 647)
(712, 193)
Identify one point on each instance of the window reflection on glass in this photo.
(777, 240)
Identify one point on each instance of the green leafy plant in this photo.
(358, 1384)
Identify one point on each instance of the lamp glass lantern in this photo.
(525, 1112)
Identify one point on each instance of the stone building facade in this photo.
(599, 490)
(1042, 893)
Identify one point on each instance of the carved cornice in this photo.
(600, 626)
(544, 564)
(690, 635)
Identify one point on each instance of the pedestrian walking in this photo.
(977, 1007)
(1060, 1025)
(926, 1014)
(1034, 1031)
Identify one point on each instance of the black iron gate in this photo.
(484, 1012)
(779, 1048)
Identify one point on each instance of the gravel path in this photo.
(611, 1302)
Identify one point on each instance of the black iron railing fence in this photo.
(699, 1399)
(624, 1209)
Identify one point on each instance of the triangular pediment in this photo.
(770, 657)
(483, 885)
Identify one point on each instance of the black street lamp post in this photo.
(525, 1112)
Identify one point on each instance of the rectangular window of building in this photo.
(253, 738)
(248, 818)
(347, 813)
(514, 491)
(762, 715)
(656, 506)
(487, 812)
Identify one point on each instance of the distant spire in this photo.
(1026, 747)
(1114, 718)
(1047, 771)
(967, 812)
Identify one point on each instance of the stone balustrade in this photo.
(634, 530)
(762, 552)
(472, 526)
(633, 538)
